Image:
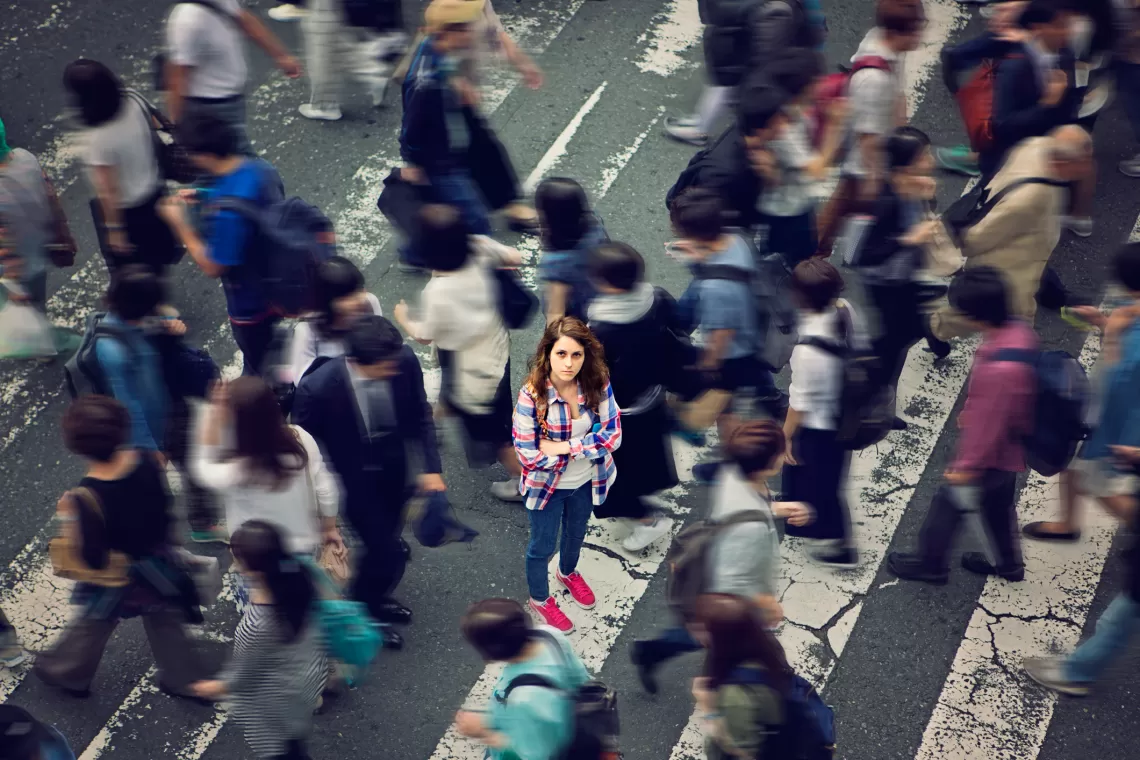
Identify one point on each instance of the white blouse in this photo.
(817, 375)
(307, 344)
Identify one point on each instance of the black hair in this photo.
(816, 283)
(444, 237)
(760, 103)
(208, 135)
(95, 427)
(618, 265)
(499, 629)
(135, 292)
(336, 278)
(1042, 12)
(259, 547)
(97, 91)
(563, 212)
(1126, 266)
(900, 16)
(373, 339)
(795, 70)
(904, 145)
(698, 214)
(981, 294)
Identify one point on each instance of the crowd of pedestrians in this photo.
(330, 424)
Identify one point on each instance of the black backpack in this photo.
(866, 408)
(596, 725)
(808, 730)
(972, 207)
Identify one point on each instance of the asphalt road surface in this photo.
(913, 671)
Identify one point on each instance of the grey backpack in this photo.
(82, 371)
(688, 558)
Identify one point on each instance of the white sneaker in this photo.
(1130, 167)
(310, 111)
(643, 535)
(287, 12)
(506, 490)
(377, 91)
(1081, 226)
(12, 655)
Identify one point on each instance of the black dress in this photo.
(645, 356)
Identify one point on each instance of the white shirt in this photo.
(792, 195)
(873, 95)
(307, 344)
(579, 471)
(817, 374)
(296, 509)
(125, 144)
(211, 45)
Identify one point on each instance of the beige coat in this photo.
(1017, 236)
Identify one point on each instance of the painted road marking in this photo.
(558, 149)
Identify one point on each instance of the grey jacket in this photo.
(745, 559)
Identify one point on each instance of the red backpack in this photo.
(835, 86)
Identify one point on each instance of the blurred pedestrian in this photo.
(205, 69)
(342, 298)
(273, 682)
(459, 314)
(22, 737)
(288, 10)
(566, 428)
(122, 167)
(368, 411)
(118, 518)
(569, 229)
(981, 482)
(816, 460)
(529, 721)
(264, 469)
(11, 653)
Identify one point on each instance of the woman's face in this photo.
(566, 358)
(348, 308)
(917, 179)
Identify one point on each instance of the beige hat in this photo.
(441, 13)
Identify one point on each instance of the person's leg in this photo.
(72, 662)
(199, 515)
(254, 341)
(544, 525)
(832, 214)
(575, 519)
(176, 655)
(11, 653)
(36, 288)
(1114, 629)
(998, 511)
(713, 102)
(649, 654)
(457, 189)
(938, 530)
(322, 29)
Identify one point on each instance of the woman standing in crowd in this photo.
(566, 428)
(264, 469)
(739, 694)
(274, 681)
(459, 313)
(341, 299)
(894, 252)
(535, 722)
(569, 229)
(816, 459)
(122, 168)
(121, 506)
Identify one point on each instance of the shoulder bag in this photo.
(66, 552)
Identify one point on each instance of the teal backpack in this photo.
(349, 633)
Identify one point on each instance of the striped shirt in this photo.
(541, 473)
(274, 686)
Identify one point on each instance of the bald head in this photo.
(1070, 143)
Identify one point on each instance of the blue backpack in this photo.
(291, 239)
(1059, 407)
(349, 633)
(808, 732)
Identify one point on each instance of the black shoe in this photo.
(646, 665)
(939, 347)
(77, 693)
(1036, 531)
(406, 550)
(392, 612)
(898, 424)
(839, 558)
(912, 567)
(393, 640)
(976, 562)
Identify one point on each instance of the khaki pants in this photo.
(72, 662)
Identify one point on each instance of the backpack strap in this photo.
(989, 203)
(215, 9)
(1018, 355)
(527, 679)
(746, 516)
(722, 272)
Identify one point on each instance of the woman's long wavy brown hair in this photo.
(261, 436)
(593, 376)
(737, 635)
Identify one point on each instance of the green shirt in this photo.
(750, 714)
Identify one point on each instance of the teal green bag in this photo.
(350, 634)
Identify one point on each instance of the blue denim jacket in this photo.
(1119, 423)
(134, 373)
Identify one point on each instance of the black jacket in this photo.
(1018, 113)
(743, 36)
(882, 245)
(724, 168)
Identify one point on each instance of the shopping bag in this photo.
(24, 331)
(943, 258)
(400, 203)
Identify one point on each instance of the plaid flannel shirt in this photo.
(541, 473)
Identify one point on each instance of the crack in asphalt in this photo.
(640, 575)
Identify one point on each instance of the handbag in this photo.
(173, 159)
(333, 562)
(25, 332)
(942, 256)
(66, 553)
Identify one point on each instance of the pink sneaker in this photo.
(552, 615)
(581, 592)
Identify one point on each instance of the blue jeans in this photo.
(571, 510)
(672, 642)
(1113, 630)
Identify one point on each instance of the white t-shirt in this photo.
(817, 374)
(579, 471)
(200, 38)
(125, 144)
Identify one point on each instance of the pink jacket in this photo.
(999, 405)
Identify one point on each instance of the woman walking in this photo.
(119, 517)
(274, 681)
(566, 428)
(264, 469)
(342, 298)
(569, 229)
(459, 313)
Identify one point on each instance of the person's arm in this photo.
(597, 443)
(423, 422)
(302, 349)
(324, 483)
(106, 182)
(1015, 119)
(820, 162)
(527, 437)
(228, 235)
(114, 363)
(557, 294)
(423, 134)
(871, 159)
(260, 35)
(421, 331)
(523, 63)
(207, 463)
(716, 346)
(176, 77)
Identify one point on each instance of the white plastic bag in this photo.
(24, 332)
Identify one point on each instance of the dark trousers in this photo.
(818, 480)
(377, 518)
(296, 748)
(670, 643)
(992, 509)
(1128, 86)
(792, 236)
(900, 327)
(201, 511)
(254, 341)
(151, 238)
